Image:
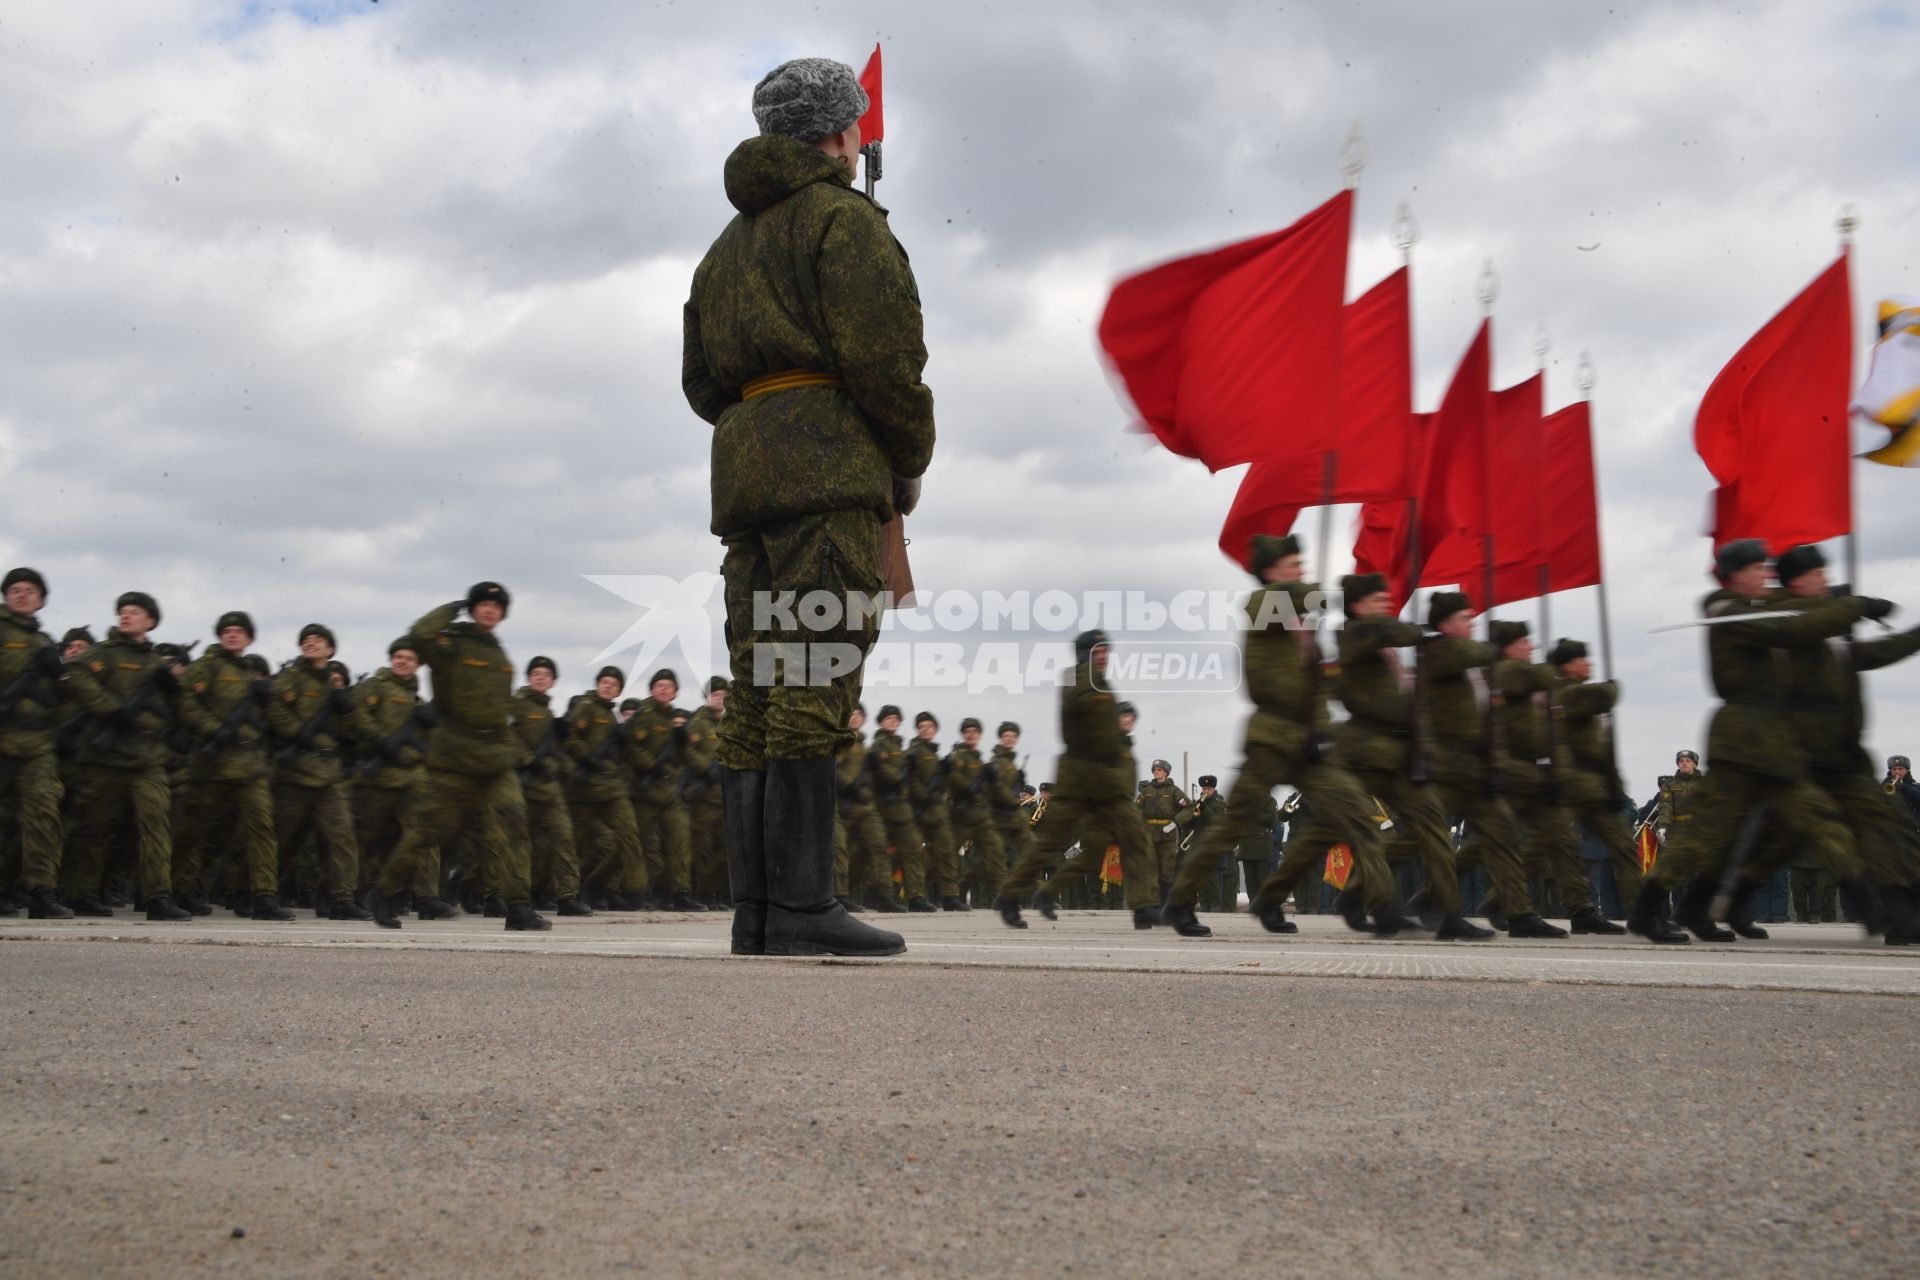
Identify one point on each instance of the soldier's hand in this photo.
(1873, 608)
(48, 660)
(906, 494)
(165, 680)
(340, 700)
(428, 717)
(261, 693)
(562, 729)
(125, 719)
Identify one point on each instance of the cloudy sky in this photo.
(326, 309)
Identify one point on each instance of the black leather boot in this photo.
(1460, 929)
(1692, 911)
(1146, 917)
(1420, 907)
(1347, 902)
(90, 907)
(573, 907)
(1272, 917)
(1046, 905)
(803, 918)
(1740, 914)
(494, 907)
(522, 916)
(681, 900)
(381, 908)
(1648, 918)
(1588, 920)
(920, 905)
(195, 904)
(887, 904)
(41, 905)
(1532, 926)
(266, 907)
(1009, 909)
(744, 795)
(851, 903)
(435, 909)
(347, 909)
(1183, 921)
(1387, 921)
(952, 902)
(1489, 909)
(160, 907)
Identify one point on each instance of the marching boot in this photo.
(573, 907)
(851, 903)
(1858, 897)
(42, 906)
(195, 904)
(90, 907)
(1347, 902)
(743, 793)
(347, 909)
(1420, 907)
(1183, 921)
(1648, 918)
(1460, 929)
(435, 909)
(1009, 909)
(681, 900)
(1146, 917)
(803, 918)
(1046, 905)
(953, 903)
(1692, 911)
(1532, 926)
(1902, 924)
(1489, 908)
(1587, 920)
(920, 904)
(381, 908)
(887, 904)
(493, 907)
(1388, 921)
(160, 907)
(265, 907)
(1740, 914)
(521, 915)
(1272, 917)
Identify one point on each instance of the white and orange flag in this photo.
(1891, 394)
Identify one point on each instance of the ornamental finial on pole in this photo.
(1488, 287)
(1541, 345)
(1848, 223)
(1353, 156)
(1406, 232)
(1584, 376)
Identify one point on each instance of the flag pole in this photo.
(1489, 289)
(1353, 161)
(1406, 233)
(1848, 223)
(1584, 378)
(1541, 345)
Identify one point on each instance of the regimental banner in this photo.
(1110, 866)
(1339, 865)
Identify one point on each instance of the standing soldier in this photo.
(390, 779)
(120, 788)
(1011, 797)
(1164, 807)
(1900, 785)
(927, 787)
(470, 763)
(1092, 792)
(970, 783)
(803, 347)
(604, 827)
(1286, 742)
(1591, 786)
(891, 771)
(226, 795)
(31, 672)
(655, 738)
(555, 865)
(862, 874)
(1254, 853)
(1222, 893)
(312, 715)
(1677, 789)
(700, 789)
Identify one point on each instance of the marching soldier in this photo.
(1592, 789)
(598, 797)
(312, 716)
(655, 738)
(1254, 853)
(1210, 807)
(390, 778)
(75, 642)
(863, 874)
(971, 782)
(471, 779)
(226, 794)
(1163, 805)
(1093, 792)
(1286, 742)
(31, 675)
(700, 790)
(891, 770)
(120, 791)
(1011, 797)
(927, 788)
(554, 866)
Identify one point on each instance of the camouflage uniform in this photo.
(599, 799)
(890, 769)
(806, 280)
(1535, 781)
(1011, 818)
(1255, 851)
(971, 783)
(653, 747)
(927, 788)
(700, 793)
(471, 779)
(312, 720)
(1163, 806)
(30, 788)
(225, 794)
(861, 867)
(553, 865)
(1592, 785)
(390, 779)
(120, 794)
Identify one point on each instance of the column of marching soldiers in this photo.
(132, 773)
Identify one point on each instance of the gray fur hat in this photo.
(808, 99)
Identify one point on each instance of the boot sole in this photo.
(820, 949)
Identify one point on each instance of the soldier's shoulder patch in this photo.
(475, 662)
(290, 696)
(199, 686)
(96, 666)
(373, 699)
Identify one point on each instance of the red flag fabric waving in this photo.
(1234, 355)
(1773, 428)
(1377, 458)
(873, 125)
(1454, 505)
(1572, 528)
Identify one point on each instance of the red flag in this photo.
(1773, 428)
(1234, 355)
(873, 125)
(1376, 455)
(1454, 507)
(1572, 525)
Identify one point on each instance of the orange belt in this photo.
(791, 380)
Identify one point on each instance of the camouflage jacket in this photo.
(1823, 684)
(303, 697)
(600, 772)
(1003, 787)
(28, 720)
(926, 780)
(890, 771)
(1378, 730)
(1162, 804)
(228, 734)
(854, 777)
(544, 765)
(654, 745)
(1751, 664)
(472, 694)
(700, 771)
(1098, 761)
(388, 702)
(113, 674)
(1676, 799)
(968, 781)
(1285, 676)
(1592, 778)
(805, 277)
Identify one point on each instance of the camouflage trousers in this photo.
(1610, 827)
(554, 867)
(492, 806)
(909, 855)
(379, 816)
(609, 838)
(324, 812)
(115, 809)
(794, 685)
(1166, 850)
(1550, 845)
(986, 863)
(1100, 823)
(942, 851)
(1799, 815)
(860, 862)
(30, 793)
(1419, 831)
(210, 818)
(665, 838)
(707, 827)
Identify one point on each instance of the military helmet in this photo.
(1006, 726)
(321, 630)
(77, 635)
(24, 574)
(234, 618)
(481, 592)
(405, 644)
(1086, 642)
(971, 723)
(925, 717)
(666, 674)
(889, 710)
(139, 600)
(542, 660)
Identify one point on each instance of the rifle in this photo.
(303, 740)
(549, 749)
(147, 698)
(413, 734)
(21, 689)
(244, 712)
(615, 741)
